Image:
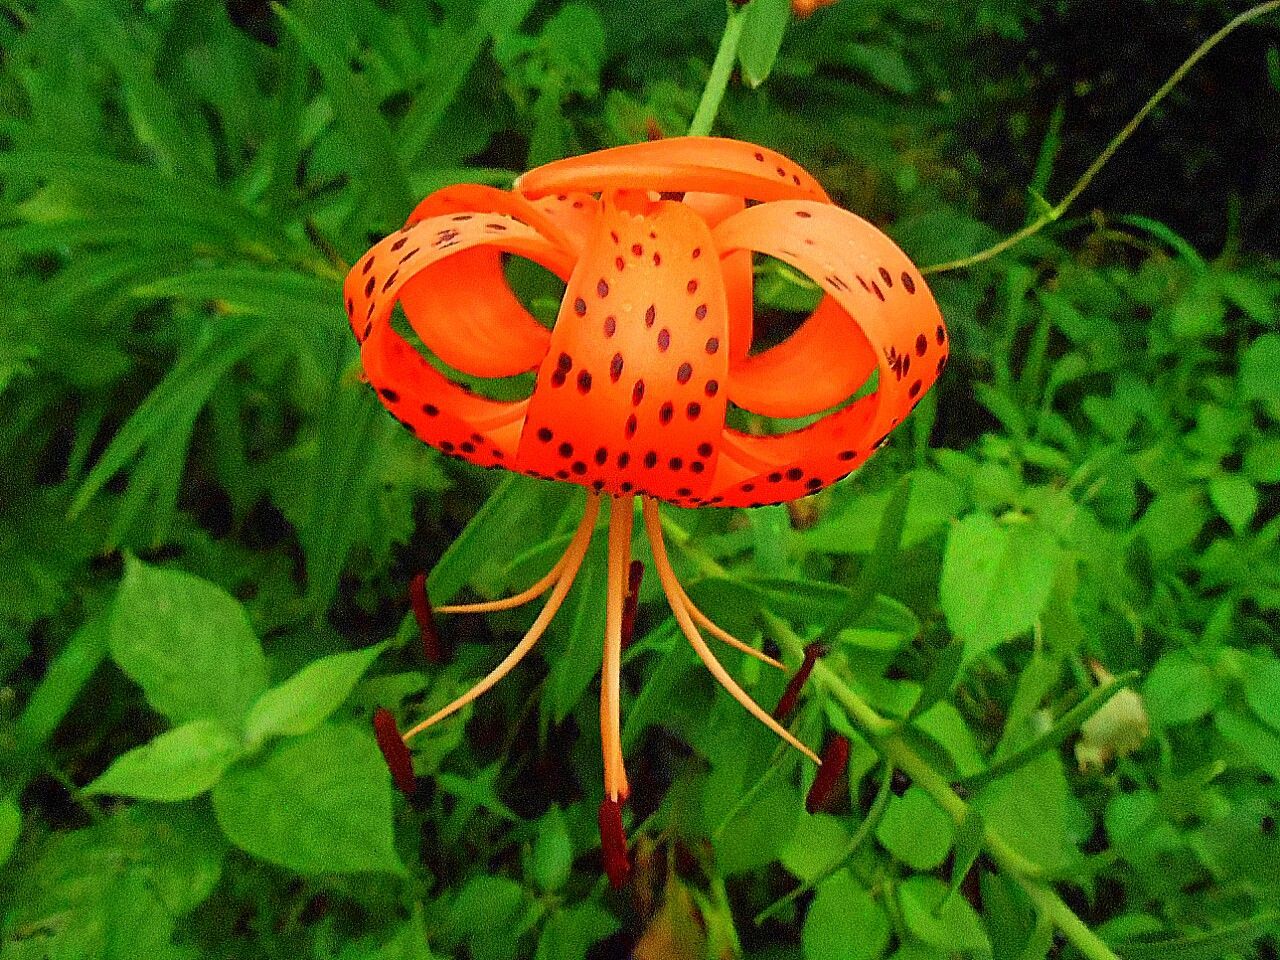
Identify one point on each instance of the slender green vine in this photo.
(1055, 212)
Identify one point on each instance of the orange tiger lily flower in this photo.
(651, 344)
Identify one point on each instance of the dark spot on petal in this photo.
(693, 410)
(579, 467)
(566, 450)
(664, 339)
(602, 288)
(886, 276)
(684, 373)
(652, 314)
(389, 395)
(666, 412)
(940, 333)
(368, 287)
(922, 344)
(813, 483)
(580, 306)
(701, 312)
(704, 449)
(584, 382)
(712, 388)
(675, 463)
(907, 283)
(630, 428)
(637, 393)
(615, 367)
(692, 286)
(915, 389)
(651, 459)
(713, 344)
(545, 435)
(610, 326)
(601, 455)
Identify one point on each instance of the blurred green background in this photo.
(199, 502)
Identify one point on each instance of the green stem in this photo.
(1117, 141)
(705, 116)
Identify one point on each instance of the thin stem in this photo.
(621, 514)
(721, 70)
(1117, 141)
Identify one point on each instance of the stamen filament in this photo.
(671, 586)
(720, 633)
(516, 600)
(615, 775)
(572, 563)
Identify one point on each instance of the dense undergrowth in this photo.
(200, 502)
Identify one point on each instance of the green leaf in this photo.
(187, 643)
(1235, 498)
(1029, 809)
(970, 834)
(1254, 744)
(915, 830)
(487, 916)
(177, 765)
(942, 677)
(1181, 689)
(1260, 369)
(1262, 690)
(572, 931)
(177, 398)
(316, 803)
(305, 700)
(884, 65)
(115, 890)
(552, 852)
(952, 925)
(1210, 945)
(764, 23)
(996, 579)
(758, 832)
(10, 828)
(1173, 521)
(844, 922)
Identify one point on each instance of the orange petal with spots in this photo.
(629, 398)
(709, 164)
(437, 410)
(877, 314)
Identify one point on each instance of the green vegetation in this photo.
(1051, 602)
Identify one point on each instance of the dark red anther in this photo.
(635, 573)
(613, 843)
(791, 696)
(432, 648)
(394, 750)
(835, 759)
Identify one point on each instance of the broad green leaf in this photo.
(854, 528)
(1180, 689)
(819, 841)
(486, 915)
(764, 22)
(1260, 369)
(187, 643)
(970, 835)
(996, 579)
(883, 64)
(317, 803)
(1172, 522)
(552, 855)
(1029, 809)
(177, 765)
(10, 828)
(915, 830)
(1235, 498)
(114, 890)
(572, 931)
(576, 662)
(1254, 744)
(305, 700)
(1262, 690)
(844, 922)
(955, 927)
(759, 831)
